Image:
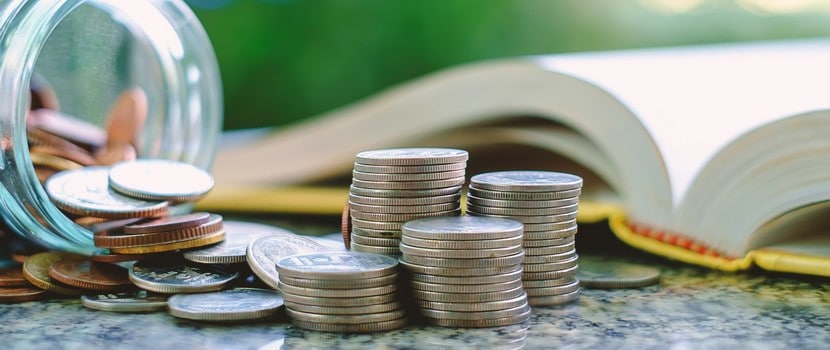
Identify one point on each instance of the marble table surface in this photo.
(691, 308)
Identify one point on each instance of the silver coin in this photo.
(527, 196)
(345, 319)
(455, 244)
(232, 250)
(341, 284)
(544, 243)
(529, 219)
(373, 241)
(412, 156)
(359, 175)
(409, 169)
(240, 304)
(466, 288)
(129, 302)
(263, 252)
(556, 282)
(462, 228)
(522, 211)
(340, 302)
(474, 307)
(172, 277)
(550, 258)
(408, 185)
(450, 198)
(373, 233)
(391, 251)
(338, 293)
(86, 191)
(368, 192)
(481, 323)
(337, 265)
(461, 253)
(371, 327)
(160, 179)
(403, 209)
(345, 310)
(377, 226)
(425, 295)
(551, 266)
(476, 315)
(552, 290)
(401, 217)
(548, 250)
(526, 181)
(464, 263)
(604, 274)
(526, 204)
(551, 226)
(549, 275)
(482, 279)
(553, 300)
(550, 235)
(459, 272)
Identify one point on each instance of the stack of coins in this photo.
(392, 186)
(466, 271)
(546, 202)
(341, 291)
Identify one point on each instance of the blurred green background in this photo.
(286, 60)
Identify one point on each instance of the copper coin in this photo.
(37, 136)
(13, 277)
(54, 162)
(21, 294)
(44, 173)
(127, 116)
(41, 94)
(114, 258)
(168, 247)
(36, 271)
(346, 226)
(105, 227)
(75, 130)
(115, 152)
(210, 227)
(77, 156)
(89, 275)
(167, 223)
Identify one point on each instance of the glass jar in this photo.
(89, 51)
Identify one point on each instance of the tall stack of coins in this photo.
(341, 291)
(546, 202)
(466, 271)
(392, 186)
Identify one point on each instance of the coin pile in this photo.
(341, 292)
(392, 186)
(546, 203)
(466, 271)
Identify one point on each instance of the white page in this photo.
(695, 100)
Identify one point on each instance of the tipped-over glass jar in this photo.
(88, 52)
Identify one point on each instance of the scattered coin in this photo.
(263, 253)
(170, 277)
(12, 277)
(140, 178)
(600, 273)
(85, 274)
(234, 305)
(139, 301)
(339, 265)
(21, 294)
(232, 250)
(36, 271)
(167, 223)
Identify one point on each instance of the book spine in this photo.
(676, 239)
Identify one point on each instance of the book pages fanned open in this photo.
(716, 155)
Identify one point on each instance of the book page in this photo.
(694, 100)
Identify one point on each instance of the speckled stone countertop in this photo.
(691, 308)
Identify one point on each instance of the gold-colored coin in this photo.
(36, 271)
(157, 248)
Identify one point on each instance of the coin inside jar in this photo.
(142, 178)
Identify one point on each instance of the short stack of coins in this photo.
(393, 186)
(466, 271)
(546, 203)
(341, 292)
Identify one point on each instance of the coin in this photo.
(462, 228)
(74, 130)
(141, 178)
(394, 227)
(167, 223)
(379, 242)
(128, 302)
(373, 233)
(171, 277)
(527, 219)
(338, 265)
(12, 277)
(526, 181)
(526, 204)
(559, 225)
(551, 266)
(74, 155)
(509, 276)
(520, 195)
(552, 290)
(232, 250)
(548, 250)
(411, 169)
(346, 310)
(467, 297)
(465, 244)
(458, 272)
(403, 209)
(371, 327)
(391, 251)
(549, 282)
(340, 284)
(21, 294)
(395, 177)
(346, 225)
(206, 229)
(338, 293)
(411, 156)
(605, 274)
(344, 319)
(84, 274)
(240, 304)
(466, 288)
(569, 209)
(481, 323)
(263, 252)
(410, 193)
(211, 238)
(340, 302)
(357, 215)
(408, 185)
(474, 307)
(549, 258)
(36, 271)
(550, 235)
(549, 275)
(461, 253)
(450, 198)
(552, 300)
(86, 192)
(464, 263)
(54, 162)
(477, 315)
(127, 116)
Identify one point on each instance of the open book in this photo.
(717, 155)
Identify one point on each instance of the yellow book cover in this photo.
(713, 155)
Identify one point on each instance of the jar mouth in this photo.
(87, 53)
